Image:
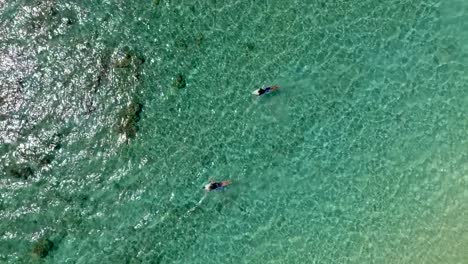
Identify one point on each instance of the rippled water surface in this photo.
(114, 114)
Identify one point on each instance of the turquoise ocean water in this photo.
(114, 114)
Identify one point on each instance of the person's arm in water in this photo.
(226, 183)
(275, 87)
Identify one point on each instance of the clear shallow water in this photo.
(359, 158)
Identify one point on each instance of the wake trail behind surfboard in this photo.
(197, 205)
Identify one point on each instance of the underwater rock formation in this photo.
(179, 81)
(20, 171)
(46, 160)
(128, 119)
(125, 57)
(42, 247)
(122, 58)
(199, 39)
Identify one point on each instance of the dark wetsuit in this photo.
(264, 90)
(216, 185)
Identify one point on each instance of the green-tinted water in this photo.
(358, 158)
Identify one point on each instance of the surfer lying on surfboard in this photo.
(265, 90)
(214, 185)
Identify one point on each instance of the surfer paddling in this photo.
(214, 185)
(265, 90)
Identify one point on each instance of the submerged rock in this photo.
(199, 39)
(138, 60)
(42, 247)
(123, 58)
(20, 171)
(3, 117)
(250, 46)
(128, 119)
(179, 81)
(46, 159)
